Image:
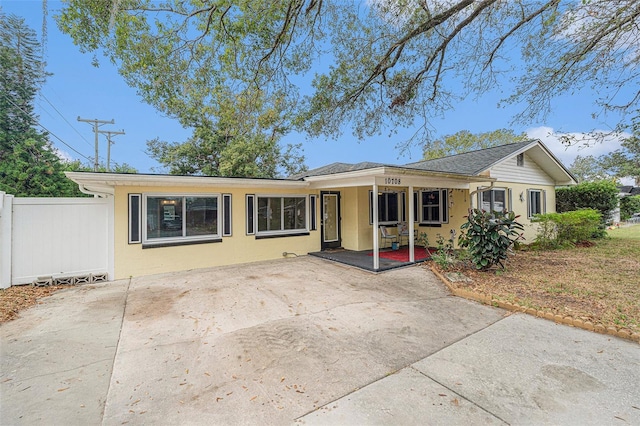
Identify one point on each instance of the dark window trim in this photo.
(181, 243)
(400, 208)
(137, 226)
(313, 201)
(227, 228)
(298, 234)
(430, 225)
(443, 206)
(250, 227)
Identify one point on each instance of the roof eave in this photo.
(108, 181)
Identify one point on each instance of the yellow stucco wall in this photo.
(357, 232)
(521, 207)
(133, 260)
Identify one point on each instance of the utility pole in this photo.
(96, 123)
(110, 133)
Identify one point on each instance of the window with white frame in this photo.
(170, 218)
(390, 209)
(494, 200)
(434, 206)
(535, 201)
(276, 214)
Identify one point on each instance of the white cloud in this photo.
(585, 145)
(63, 155)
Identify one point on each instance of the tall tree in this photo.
(588, 169)
(29, 165)
(625, 162)
(380, 64)
(464, 141)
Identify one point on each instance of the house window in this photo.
(535, 201)
(494, 200)
(388, 207)
(520, 160)
(434, 206)
(281, 214)
(181, 217)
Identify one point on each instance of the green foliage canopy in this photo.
(382, 64)
(465, 141)
(601, 196)
(629, 206)
(29, 165)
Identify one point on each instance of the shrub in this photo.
(601, 196)
(488, 237)
(629, 206)
(557, 230)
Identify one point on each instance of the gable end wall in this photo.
(531, 173)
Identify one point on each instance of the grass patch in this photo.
(600, 283)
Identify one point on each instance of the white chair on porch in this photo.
(386, 235)
(403, 232)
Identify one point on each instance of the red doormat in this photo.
(402, 254)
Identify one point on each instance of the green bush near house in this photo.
(601, 196)
(558, 230)
(489, 236)
(629, 206)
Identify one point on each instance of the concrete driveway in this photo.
(303, 341)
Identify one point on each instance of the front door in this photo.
(330, 224)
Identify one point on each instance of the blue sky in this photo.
(77, 88)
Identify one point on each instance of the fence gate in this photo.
(59, 238)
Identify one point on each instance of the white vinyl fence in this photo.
(48, 240)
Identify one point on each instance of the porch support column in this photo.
(376, 243)
(412, 256)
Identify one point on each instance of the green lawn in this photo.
(628, 232)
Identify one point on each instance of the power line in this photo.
(64, 118)
(47, 130)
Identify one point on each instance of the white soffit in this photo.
(379, 175)
(111, 180)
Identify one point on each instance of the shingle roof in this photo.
(470, 163)
(337, 168)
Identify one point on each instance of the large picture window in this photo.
(281, 214)
(181, 217)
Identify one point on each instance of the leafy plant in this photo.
(423, 240)
(489, 236)
(444, 255)
(557, 230)
(629, 206)
(601, 196)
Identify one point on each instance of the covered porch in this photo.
(357, 206)
(388, 259)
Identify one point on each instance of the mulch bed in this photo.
(17, 298)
